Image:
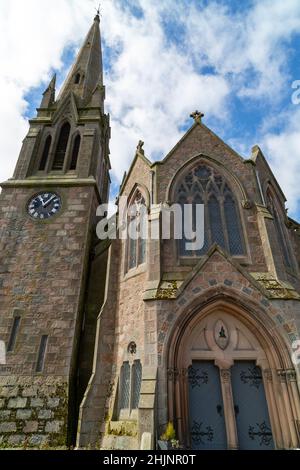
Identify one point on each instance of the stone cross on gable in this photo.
(140, 146)
(197, 116)
(98, 10)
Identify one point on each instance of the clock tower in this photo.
(47, 229)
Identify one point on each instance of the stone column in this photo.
(146, 410)
(154, 253)
(295, 402)
(290, 437)
(272, 407)
(229, 413)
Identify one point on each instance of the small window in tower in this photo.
(61, 149)
(42, 353)
(45, 154)
(13, 335)
(77, 78)
(75, 152)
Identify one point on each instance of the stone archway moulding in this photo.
(202, 334)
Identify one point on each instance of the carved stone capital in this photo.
(172, 373)
(287, 375)
(184, 373)
(291, 375)
(268, 375)
(247, 204)
(225, 375)
(282, 375)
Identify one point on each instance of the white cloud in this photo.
(284, 155)
(251, 46)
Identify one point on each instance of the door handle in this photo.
(219, 410)
(236, 409)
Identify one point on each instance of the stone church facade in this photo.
(108, 341)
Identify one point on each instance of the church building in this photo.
(108, 341)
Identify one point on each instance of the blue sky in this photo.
(235, 61)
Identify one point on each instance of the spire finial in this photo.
(197, 116)
(97, 17)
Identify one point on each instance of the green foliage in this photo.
(169, 434)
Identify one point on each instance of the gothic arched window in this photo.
(61, 148)
(222, 225)
(136, 246)
(280, 231)
(75, 152)
(45, 154)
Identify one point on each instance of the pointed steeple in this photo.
(86, 73)
(49, 94)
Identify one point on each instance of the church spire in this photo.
(86, 72)
(49, 94)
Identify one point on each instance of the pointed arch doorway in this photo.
(231, 384)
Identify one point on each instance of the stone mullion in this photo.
(207, 228)
(229, 414)
(171, 394)
(224, 223)
(185, 403)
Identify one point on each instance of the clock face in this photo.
(44, 205)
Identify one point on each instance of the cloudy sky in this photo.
(235, 61)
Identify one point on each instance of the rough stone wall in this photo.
(33, 411)
(139, 174)
(93, 408)
(267, 180)
(42, 271)
(92, 307)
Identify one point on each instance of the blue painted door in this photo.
(207, 424)
(251, 411)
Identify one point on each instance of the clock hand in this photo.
(49, 200)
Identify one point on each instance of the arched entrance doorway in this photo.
(231, 382)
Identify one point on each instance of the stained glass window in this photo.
(130, 385)
(137, 226)
(233, 226)
(136, 383)
(124, 386)
(216, 225)
(222, 225)
(281, 236)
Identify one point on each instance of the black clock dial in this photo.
(44, 205)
